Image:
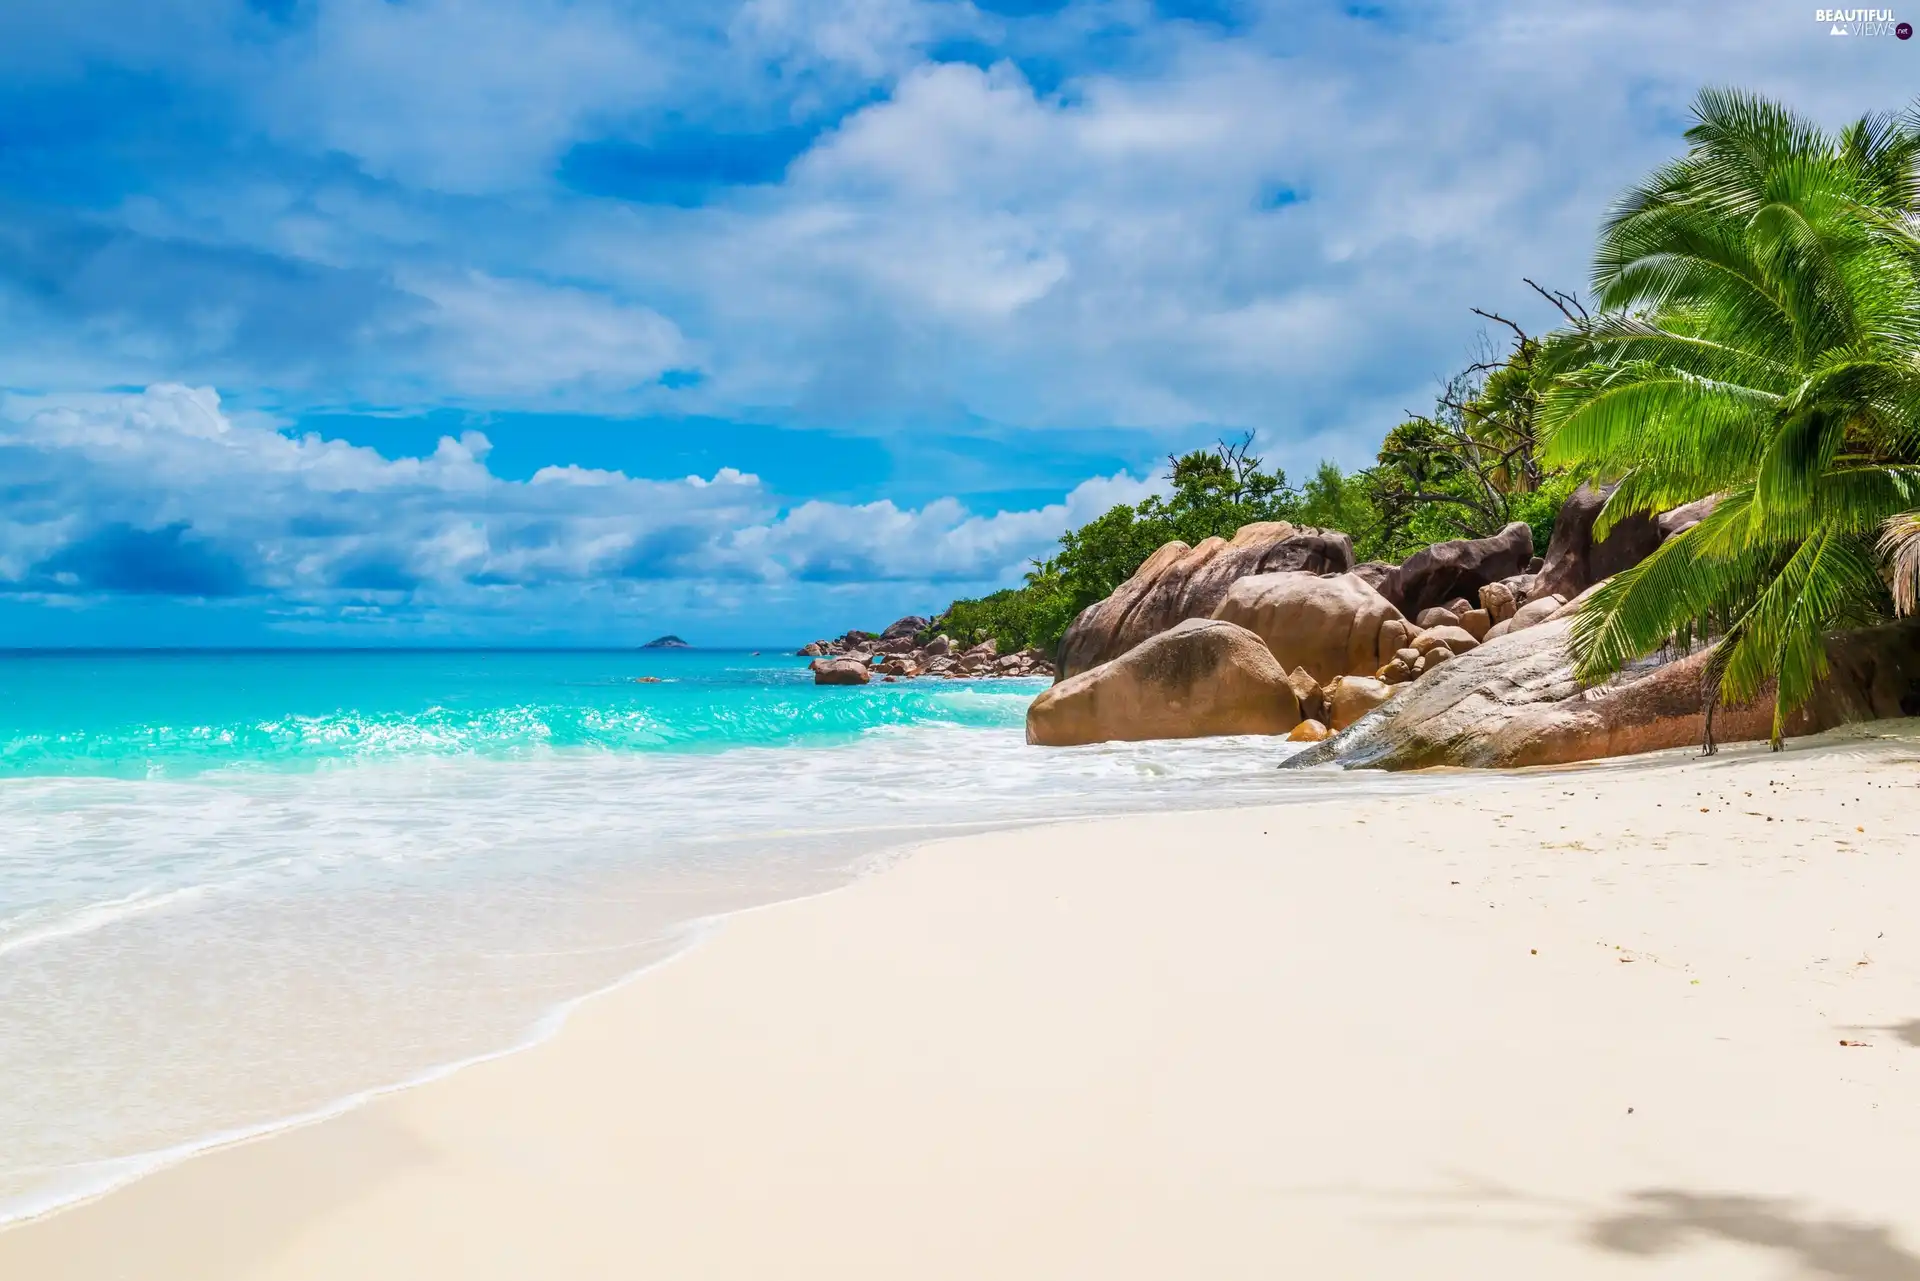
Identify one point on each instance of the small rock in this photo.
(1457, 639)
(1307, 691)
(1536, 611)
(1351, 697)
(1308, 732)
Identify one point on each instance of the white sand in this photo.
(1310, 1042)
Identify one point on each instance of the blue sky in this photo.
(576, 321)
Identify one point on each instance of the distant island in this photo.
(667, 642)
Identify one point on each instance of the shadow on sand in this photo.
(1661, 1221)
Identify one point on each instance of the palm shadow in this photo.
(1661, 1221)
(1908, 1031)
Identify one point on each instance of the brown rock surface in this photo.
(1179, 582)
(1574, 561)
(840, 671)
(1330, 626)
(1457, 568)
(1203, 677)
(1457, 639)
(1538, 610)
(1307, 690)
(910, 626)
(1308, 731)
(1515, 702)
(1351, 697)
(1396, 633)
(1684, 518)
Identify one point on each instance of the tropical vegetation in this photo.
(1758, 338)
(1466, 470)
(1754, 338)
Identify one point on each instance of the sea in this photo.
(244, 889)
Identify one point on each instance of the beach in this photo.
(1659, 1018)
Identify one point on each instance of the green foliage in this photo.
(1464, 472)
(1759, 338)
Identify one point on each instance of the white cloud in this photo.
(1173, 227)
(162, 493)
(514, 338)
(461, 95)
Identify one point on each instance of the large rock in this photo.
(1179, 582)
(1330, 626)
(1514, 702)
(1376, 573)
(910, 626)
(1681, 519)
(1202, 677)
(1460, 567)
(840, 671)
(1575, 562)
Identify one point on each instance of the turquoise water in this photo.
(175, 714)
(241, 888)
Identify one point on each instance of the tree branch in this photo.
(1562, 301)
(1500, 319)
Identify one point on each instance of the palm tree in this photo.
(1758, 338)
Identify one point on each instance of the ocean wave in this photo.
(660, 718)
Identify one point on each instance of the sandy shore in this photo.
(1584, 1024)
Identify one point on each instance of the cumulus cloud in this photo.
(518, 338)
(163, 494)
(882, 216)
(1100, 212)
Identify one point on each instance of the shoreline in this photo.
(118, 1173)
(157, 1059)
(582, 1042)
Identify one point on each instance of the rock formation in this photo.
(1179, 582)
(1202, 677)
(1514, 702)
(902, 656)
(1333, 626)
(1575, 562)
(1457, 568)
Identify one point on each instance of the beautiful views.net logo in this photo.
(1863, 22)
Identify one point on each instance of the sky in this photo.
(363, 322)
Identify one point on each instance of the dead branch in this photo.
(1564, 303)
